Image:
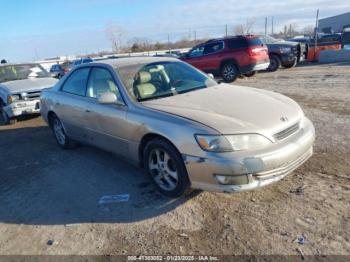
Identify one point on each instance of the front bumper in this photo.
(288, 58)
(24, 107)
(252, 169)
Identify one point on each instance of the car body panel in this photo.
(233, 110)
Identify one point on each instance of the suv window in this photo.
(197, 51)
(101, 81)
(257, 41)
(213, 48)
(237, 43)
(76, 83)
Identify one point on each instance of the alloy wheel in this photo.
(59, 131)
(163, 169)
(228, 72)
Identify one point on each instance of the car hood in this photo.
(283, 43)
(231, 109)
(30, 84)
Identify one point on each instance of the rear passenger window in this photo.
(76, 83)
(101, 81)
(237, 43)
(213, 47)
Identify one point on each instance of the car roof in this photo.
(232, 37)
(129, 61)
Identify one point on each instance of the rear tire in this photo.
(229, 72)
(250, 74)
(165, 166)
(275, 63)
(61, 137)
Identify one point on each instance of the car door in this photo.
(107, 126)
(70, 103)
(195, 57)
(212, 57)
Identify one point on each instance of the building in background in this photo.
(334, 24)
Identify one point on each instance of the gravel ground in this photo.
(49, 197)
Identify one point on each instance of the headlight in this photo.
(229, 143)
(13, 98)
(248, 141)
(213, 143)
(285, 49)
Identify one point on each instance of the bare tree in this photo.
(114, 34)
(245, 29)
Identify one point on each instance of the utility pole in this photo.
(226, 30)
(169, 42)
(265, 26)
(272, 21)
(195, 35)
(316, 30)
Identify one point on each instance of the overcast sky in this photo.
(52, 28)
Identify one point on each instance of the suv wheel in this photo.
(61, 137)
(290, 64)
(275, 63)
(165, 166)
(250, 74)
(229, 72)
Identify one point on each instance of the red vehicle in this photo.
(230, 57)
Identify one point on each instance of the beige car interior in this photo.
(144, 85)
(99, 86)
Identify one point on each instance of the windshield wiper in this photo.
(155, 97)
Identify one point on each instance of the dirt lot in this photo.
(49, 197)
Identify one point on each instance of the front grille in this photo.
(32, 95)
(287, 132)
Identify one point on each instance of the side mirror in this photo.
(211, 75)
(107, 98)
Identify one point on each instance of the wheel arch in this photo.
(230, 60)
(146, 139)
(50, 114)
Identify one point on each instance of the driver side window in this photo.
(198, 51)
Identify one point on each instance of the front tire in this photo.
(275, 63)
(5, 119)
(165, 166)
(290, 64)
(60, 134)
(229, 72)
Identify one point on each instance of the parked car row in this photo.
(59, 70)
(245, 55)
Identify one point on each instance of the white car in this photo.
(20, 89)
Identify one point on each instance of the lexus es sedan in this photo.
(185, 129)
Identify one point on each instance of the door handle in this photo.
(57, 104)
(87, 111)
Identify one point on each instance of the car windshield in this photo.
(161, 79)
(19, 72)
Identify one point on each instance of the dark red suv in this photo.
(230, 57)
